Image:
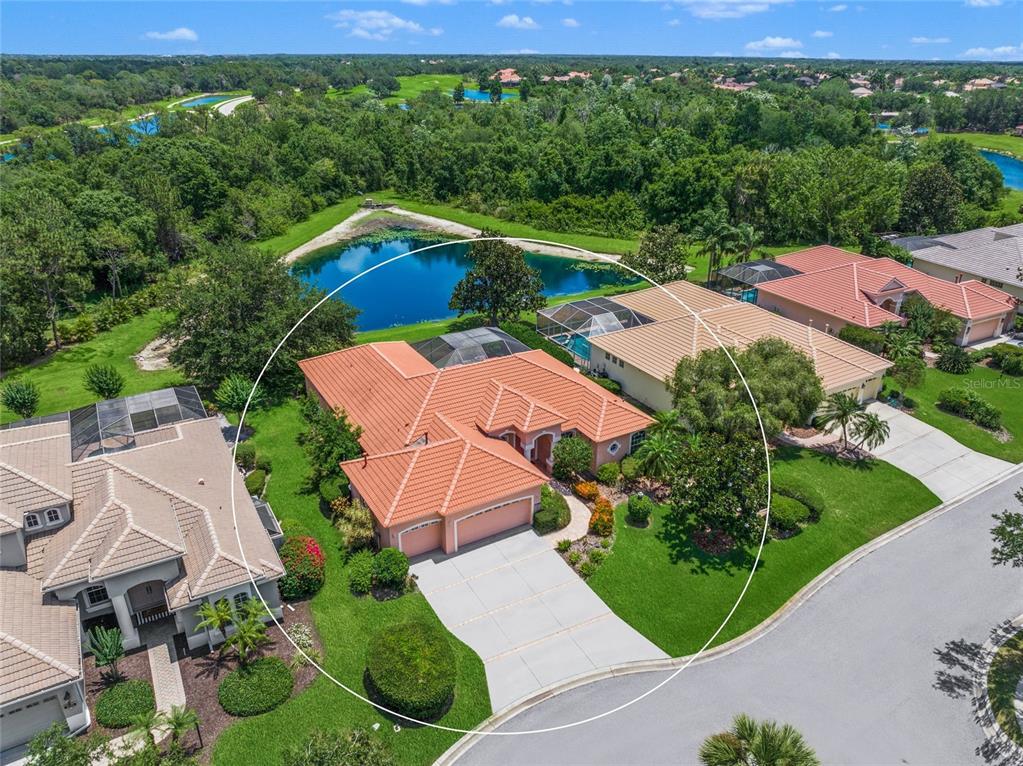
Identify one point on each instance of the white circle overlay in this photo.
(598, 716)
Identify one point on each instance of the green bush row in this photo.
(119, 705)
(967, 404)
(554, 513)
(256, 688)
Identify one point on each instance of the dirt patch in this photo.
(134, 666)
(155, 356)
(803, 433)
(713, 541)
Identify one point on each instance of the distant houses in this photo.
(509, 78)
(573, 75)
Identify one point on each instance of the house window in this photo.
(52, 515)
(239, 600)
(96, 595)
(31, 520)
(635, 440)
(613, 447)
(621, 362)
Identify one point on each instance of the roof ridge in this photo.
(455, 475)
(401, 486)
(402, 450)
(485, 447)
(422, 406)
(35, 439)
(39, 655)
(73, 548)
(497, 401)
(34, 480)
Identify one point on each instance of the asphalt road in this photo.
(868, 669)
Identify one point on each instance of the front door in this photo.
(542, 452)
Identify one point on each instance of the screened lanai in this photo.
(571, 324)
(468, 346)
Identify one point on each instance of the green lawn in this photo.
(59, 377)
(1003, 391)
(677, 596)
(345, 624)
(999, 142)
(413, 86)
(1002, 679)
(313, 226)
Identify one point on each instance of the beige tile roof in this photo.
(34, 471)
(660, 306)
(39, 644)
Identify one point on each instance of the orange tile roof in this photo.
(839, 283)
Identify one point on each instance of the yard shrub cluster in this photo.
(256, 688)
(788, 513)
(1007, 358)
(334, 488)
(954, 360)
(572, 457)
(410, 668)
(610, 384)
(360, 572)
(255, 482)
(554, 513)
(390, 568)
(602, 521)
(245, 455)
(640, 509)
(609, 474)
(587, 490)
(630, 468)
(967, 404)
(869, 340)
(119, 705)
(354, 522)
(304, 567)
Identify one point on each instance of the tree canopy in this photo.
(499, 284)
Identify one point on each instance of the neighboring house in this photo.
(861, 92)
(458, 453)
(643, 355)
(835, 288)
(990, 255)
(509, 78)
(41, 679)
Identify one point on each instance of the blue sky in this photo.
(893, 29)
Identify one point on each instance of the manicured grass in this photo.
(1002, 678)
(1012, 202)
(59, 377)
(999, 142)
(345, 624)
(413, 86)
(1004, 392)
(313, 226)
(659, 582)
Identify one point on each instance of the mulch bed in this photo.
(713, 541)
(135, 665)
(203, 670)
(802, 433)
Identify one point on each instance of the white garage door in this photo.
(19, 724)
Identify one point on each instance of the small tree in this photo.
(143, 724)
(499, 284)
(52, 747)
(842, 411)
(908, 372)
(572, 456)
(180, 721)
(107, 645)
(658, 455)
(870, 430)
(233, 393)
(459, 95)
(328, 439)
(21, 397)
(103, 380)
(1008, 536)
(662, 256)
(248, 638)
(496, 92)
(763, 743)
(214, 616)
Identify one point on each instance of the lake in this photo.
(474, 94)
(204, 100)
(1012, 169)
(417, 288)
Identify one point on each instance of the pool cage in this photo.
(572, 324)
(740, 280)
(469, 346)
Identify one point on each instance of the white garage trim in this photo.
(414, 528)
(532, 510)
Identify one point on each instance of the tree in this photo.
(932, 200)
(52, 747)
(107, 645)
(116, 250)
(658, 455)
(716, 238)
(329, 439)
(907, 372)
(233, 392)
(180, 721)
(231, 319)
(901, 345)
(21, 397)
(496, 92)
(572, 456)
(103, 380)
(338, 748)
(747, 242)
(499, 283)
(248, 637)
(1008, 536)
(459, 94)
(721, 486)
(871, 430)
(143, 724)
(753, 743)
(843, 411)
(215, 615)
(663, 255)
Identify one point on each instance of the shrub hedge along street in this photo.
(303, 567)
(121, 703)
(554, 513)
(256, 688)
(410, 668)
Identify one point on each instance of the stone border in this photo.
(997, 743)
(463, 745)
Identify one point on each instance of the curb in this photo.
(463, 745)
(996, 739)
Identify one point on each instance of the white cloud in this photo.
(839, 8)
(428, 2)
(929, 40)
(821, 33)
(378, 25)
(514, 21)
(792, 55)
(1001, 53)
(674, 23)
(728, 9)
(832, 55)
(983, 3)
(570, 23)
(772, 43)
(521, 52)
(181, 33)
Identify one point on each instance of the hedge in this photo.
(303, 567)
(610, 384)
(256, 688)
(119, 705)
(787, 513)
(869, 340)
(360, 572)
(255, 482)
(1008, 358)
(333, 487)
(390, 568)
(967, 404)
(554, 513)
(525, 334)
(609, 474)
(410, 668)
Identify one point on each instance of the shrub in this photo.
(390, 568)
(609, 383)
(337, 748)
(21, 397)
(1007, 357)
(256, 688)
(967, 404)
(333, 488)
(564, 545)
(796, 489)
(118, 706)
(870, 340)
(255, 482)
(602, 522)
(245, 455)
(354, 522)
(640, 509)
(79, 330)
(302, 635)
(574, 557)
(787, 513)
(630, 468)
(572, 456)
(954, 360)
(303, 565)
(525, 334)
(587, 490)
(554, 513)
(609, 474)
(293, 528)
(587, 569)
(360, 572)
(597, 556)
(103, 380)
(263, 463)
(606, 543)
(410, 668)
(985, 415)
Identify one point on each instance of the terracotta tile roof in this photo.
(844, 289)
(455, 469)
(656, 348)
(504, 407)
(34, 472)
(39, 644)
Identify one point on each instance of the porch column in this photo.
(123, 613)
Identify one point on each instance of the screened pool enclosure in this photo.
(468, 346)
(572, 324)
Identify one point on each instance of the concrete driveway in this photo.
(944, 465)
(528, 616)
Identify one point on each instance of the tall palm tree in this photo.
(757, 743)
(870, 430)
(214, 616)
(715, 238)
(841, 410)
(902, 345)
(249, 635)
(143, 724)
(658, 455)
(180, 720)
(747, 242)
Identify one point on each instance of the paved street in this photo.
(527, 615)
(855, 669)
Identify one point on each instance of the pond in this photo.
(204, 100)
(473, 94)
(1012, 168)
(417, 288)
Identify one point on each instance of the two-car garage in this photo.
(449, 534)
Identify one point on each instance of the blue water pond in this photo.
(204, 100)
(473, 94)
(1012, 169)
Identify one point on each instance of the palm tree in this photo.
(715, 238)
(658, 455)
(665, 420)
(747, 242)
(249, 635)
(214, 615)
(753, 743)
(107, 645)
(901, 345)
(180, 721)
(253, 609)
(870, 430)
(839, 410)
(143, 724)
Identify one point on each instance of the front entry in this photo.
(542, 452)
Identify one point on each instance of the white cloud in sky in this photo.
(181, 33)
(772, 43)
(820, 33)
(674, 23)
(983, 3)
(920, 40)
(514, 21)
(428, 2)
(792, 55)
(1001, 52)
(728, 9)
(570, 23)
(378, 25)
(832, 55)
(839, 8)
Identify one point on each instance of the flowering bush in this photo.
(587, 490)
(602, 522)
(303, 565)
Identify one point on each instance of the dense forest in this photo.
(89, 213)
